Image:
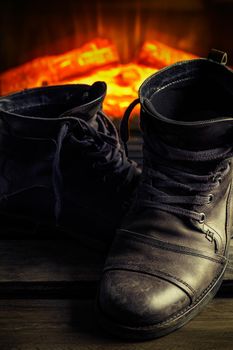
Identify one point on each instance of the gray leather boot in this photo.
(168, 259)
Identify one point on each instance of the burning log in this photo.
(158, 55)
(97, 60)
(54, 69)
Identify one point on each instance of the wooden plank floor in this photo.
(70, 325)
(47, 292)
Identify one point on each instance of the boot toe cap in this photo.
(136, 299)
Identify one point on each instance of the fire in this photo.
(96, 60)
(123, 83)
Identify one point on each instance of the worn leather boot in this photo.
(61, 163)
(168, 259)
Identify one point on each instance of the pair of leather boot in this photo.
(61, 163)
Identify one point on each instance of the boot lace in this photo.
(169, 181)
(101, 148)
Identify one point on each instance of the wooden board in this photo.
(70, 325)
(63, 268)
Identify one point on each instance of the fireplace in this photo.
(52, 42)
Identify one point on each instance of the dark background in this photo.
(34, 28)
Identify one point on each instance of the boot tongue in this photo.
(92, 102)
(195, 136)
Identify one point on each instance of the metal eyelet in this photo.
(217, 179)
(211, 197)
(202, 218)
(209, 235)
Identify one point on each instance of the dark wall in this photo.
(33, 28)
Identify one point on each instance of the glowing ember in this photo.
(96, 60)
(49, 70)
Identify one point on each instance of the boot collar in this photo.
(190, 134)
(30, 113)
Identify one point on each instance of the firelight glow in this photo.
(96, 60)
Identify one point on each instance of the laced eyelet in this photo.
(211, 197)
(202, 218)
(217, 179)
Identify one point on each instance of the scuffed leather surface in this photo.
(148, 301)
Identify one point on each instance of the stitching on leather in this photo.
(188, 253)
(131, 268)
(172, 83)
(181, 312)
(227, 226)
(173, 248)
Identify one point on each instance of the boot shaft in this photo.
(189, 104)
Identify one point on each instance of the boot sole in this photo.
(160, 329)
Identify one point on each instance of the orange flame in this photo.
(96, 60)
